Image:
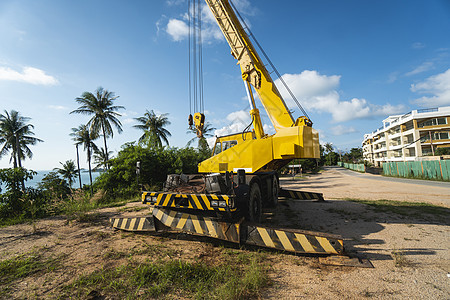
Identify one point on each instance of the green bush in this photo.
(156, 162)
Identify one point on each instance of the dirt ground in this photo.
(410, 254)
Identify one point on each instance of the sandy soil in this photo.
(422, 273)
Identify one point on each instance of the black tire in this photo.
(275, 189)
(255, 204)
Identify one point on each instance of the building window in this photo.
(433, 122)
(440, 136)
(426, 151)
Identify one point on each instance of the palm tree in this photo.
(68, 171)
(329, 149)
(78, 162)
(16, 135)
(101, 158)
(104, 113)
(207, 132)
(83, 136)
(153, 127)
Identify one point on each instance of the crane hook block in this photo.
(199, 122)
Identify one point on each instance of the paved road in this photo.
(430, 183)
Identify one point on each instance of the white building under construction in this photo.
(408, 137)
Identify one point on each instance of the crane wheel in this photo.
(274, 190)
(255, 204)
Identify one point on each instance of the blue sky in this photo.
(350, 64)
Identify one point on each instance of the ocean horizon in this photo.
(41, 174)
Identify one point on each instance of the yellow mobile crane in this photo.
(225, 200)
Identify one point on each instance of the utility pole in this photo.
(431, 143)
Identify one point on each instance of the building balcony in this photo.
(380, 140)
(395, 135)
(395, 146)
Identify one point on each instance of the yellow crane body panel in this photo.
(256, 155)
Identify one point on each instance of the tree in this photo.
(328, 147)
(16, 135)
(356, 154)
(12, 200)
(153, 127)
(442, 151)
(68, 171)
(207, 132)
(329, 150)
(83, 136)
(78, 165)
(103, 112)
(101, 158)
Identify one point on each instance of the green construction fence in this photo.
(432, 169)
(354, 167)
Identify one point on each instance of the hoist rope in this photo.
(195, 57)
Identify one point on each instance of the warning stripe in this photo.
(192, 201)
(198, 224)
(300, 195)
(292, 241)
(133, 224)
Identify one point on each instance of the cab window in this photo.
(217, 148)
(229, 144)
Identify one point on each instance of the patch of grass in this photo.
(114, 254)
(23, 266)
(172, 278)
(428, 212)
(155, 250)
(14, 221)
(400, 259)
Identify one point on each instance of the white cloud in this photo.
(240, 117)
(128, 121)
(58, 107)
(393, 77)
(426, 66)
(341, 130)
(28, 75)
(174, 2)
(177, 29)
(438, 86)
(318, 92)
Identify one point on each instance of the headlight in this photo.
(214, 203)
(222, 204)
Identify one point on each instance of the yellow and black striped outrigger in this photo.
(300, 195)
(211, 202)
(291, 240)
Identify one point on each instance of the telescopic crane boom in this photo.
(256, 151)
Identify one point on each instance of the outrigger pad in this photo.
(300, 195)
(292, 240)
(134, 224)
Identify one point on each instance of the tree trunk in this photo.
(19, 163)
(14, 149)
(90, 172)
(78, 163)
(106, 148)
